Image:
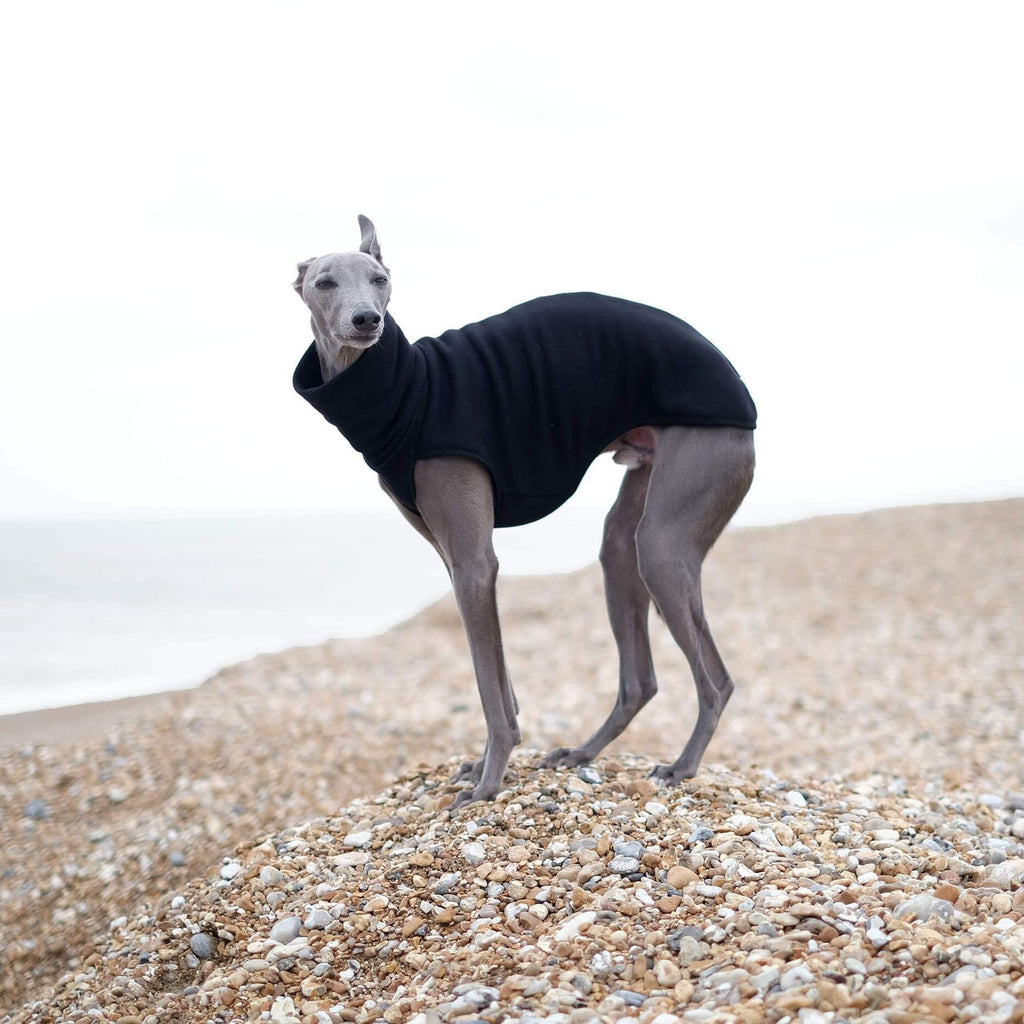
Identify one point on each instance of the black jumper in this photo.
(533, 394)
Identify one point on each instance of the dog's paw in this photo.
(671, 773)
(565, 757)
(468, 771)
(463, 798)
(471, 796)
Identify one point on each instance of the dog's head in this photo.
(347, 292)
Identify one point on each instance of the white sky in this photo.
(834, 194)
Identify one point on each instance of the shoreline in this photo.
(86, 720)
(73, 722)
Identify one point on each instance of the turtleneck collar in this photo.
(377, 402)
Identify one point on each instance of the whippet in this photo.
(495, 424)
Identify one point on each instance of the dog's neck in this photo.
(334, 358)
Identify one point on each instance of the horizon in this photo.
(746, 518)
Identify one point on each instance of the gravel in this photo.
(521, 939)
(859, 816)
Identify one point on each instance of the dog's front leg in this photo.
(455, 500)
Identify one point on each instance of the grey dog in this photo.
(494, 425)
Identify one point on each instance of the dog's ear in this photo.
(368, 243)
(303, 267)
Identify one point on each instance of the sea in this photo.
(101, 609)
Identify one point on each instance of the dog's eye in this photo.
(326, 282)
(379, 281)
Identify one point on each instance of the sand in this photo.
(73, 723)
(885, 645)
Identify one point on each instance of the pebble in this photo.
(446, 883)
(624, 865)
(270, 876)
(975, 956)
(689, 950)
(583, 984)
(286, 929)
(590, 775)
(474, 853)
(230, 870)
(798, 975)
(668, 974)
(729, 979)
(37, 809)
(202, 945)
(765, 979)
(885, 835)
(357, 840)
(352, 859)
(808, 1015)
(679, 877)
(317, 918)
(1007, 875)
(571, 928)
(923, 906)
(282, 1011)
(629, 998)
(629, 848)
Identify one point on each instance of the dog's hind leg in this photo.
(456, 502)
(628, 604)
(699, 477)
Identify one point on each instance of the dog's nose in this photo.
(365, 319)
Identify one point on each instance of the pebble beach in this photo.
(278, 844)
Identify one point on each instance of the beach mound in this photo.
(589, 896)
(882, 650)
